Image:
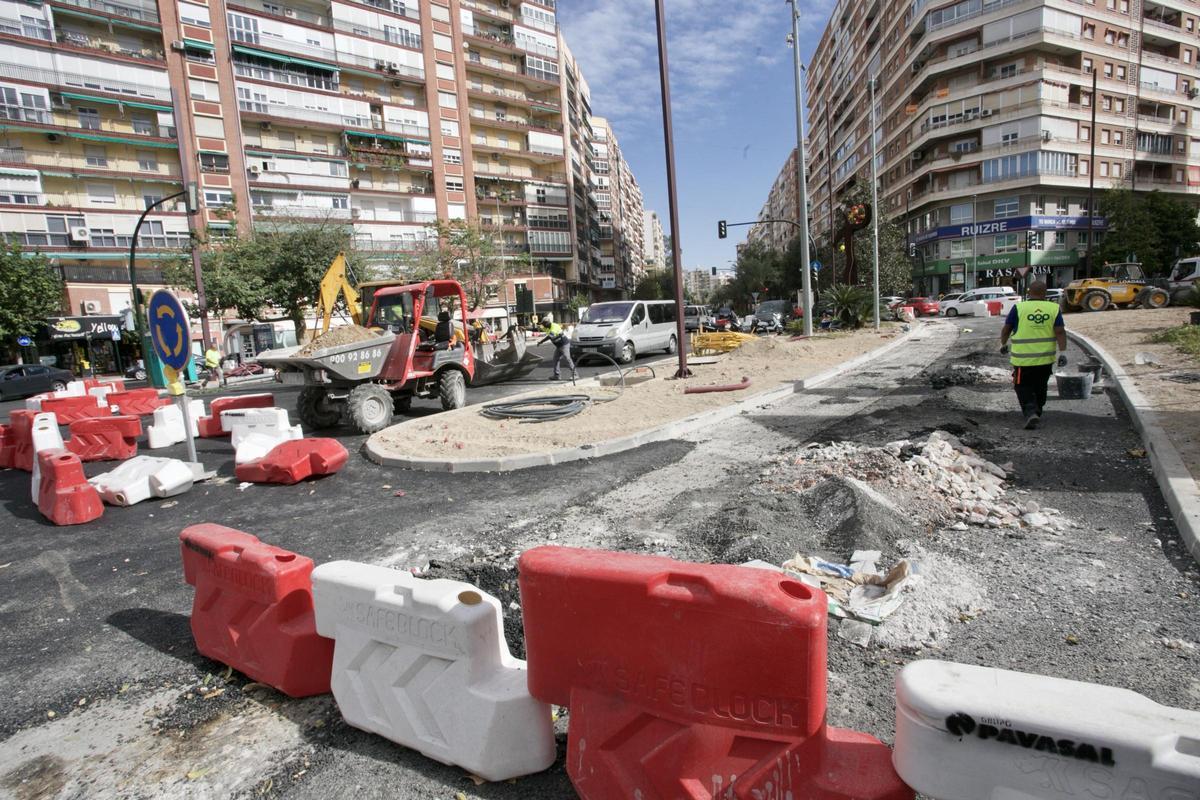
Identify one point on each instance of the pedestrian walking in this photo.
(212, 362)
(562, 346)
(1034, 327)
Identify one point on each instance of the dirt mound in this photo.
(346, 334)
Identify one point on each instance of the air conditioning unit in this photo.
(1193, 93)
(397, 84)
(987, 112)
(255, 169)
(393, 67)
(354, 183)
(917, 156)
(90, 306)
(1047, 136)
(354, 212)
(264, 126)
(80, 234)
(380, 65)
(178, 46)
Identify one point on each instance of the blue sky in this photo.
(732, 91)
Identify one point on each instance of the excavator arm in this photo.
(337, 281)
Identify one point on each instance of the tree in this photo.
(577, 301)
(1153, 228)
(466, 252)
(30, 291)
(895, 267)
(277, 267)
(658, 285)
(759, 270)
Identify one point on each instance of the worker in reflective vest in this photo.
(562, 346)
(1036, 331)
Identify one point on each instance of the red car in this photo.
(921, 306)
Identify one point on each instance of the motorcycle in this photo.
(772, 323)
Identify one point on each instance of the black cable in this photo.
(538, 409)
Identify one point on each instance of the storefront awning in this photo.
(64, 328)
(114, 102)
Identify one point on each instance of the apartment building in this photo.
(382, 115)
(984, 123)
(619, 206)
(701, 284)
(654, 246)
(783, 203)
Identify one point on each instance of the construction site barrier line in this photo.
(726, 387)
(1175, 480)
(670, 430)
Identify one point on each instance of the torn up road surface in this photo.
(108, 698)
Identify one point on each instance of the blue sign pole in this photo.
(171, 337)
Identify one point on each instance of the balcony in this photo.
(280, 44)
(83, 41)
(394, 161)
(387, 215)
(281, 12)
(387, 69)
(505, 121)
(262, 71)
(398, 7)
(27, 28)
(532, 77)
(301, 211)
(55, 159)
(141, 10)
(98, 83)
(518, 150)
(295, 114)
(274, 178)
(488, 10)
(396, 36)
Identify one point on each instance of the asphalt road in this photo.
(107, 696)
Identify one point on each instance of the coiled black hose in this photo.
(538, 409)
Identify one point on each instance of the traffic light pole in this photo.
(801, 178)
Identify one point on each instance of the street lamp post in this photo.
(801, 177)
(974, 243)
(874, 203)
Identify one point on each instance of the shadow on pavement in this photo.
(166, 631)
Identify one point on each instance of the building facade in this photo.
(783, 203)
(654, 246)
(619, 207)
(700, 284)
(382, 115)
(984, 123)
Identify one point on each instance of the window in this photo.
(209, 128)
(1104, 169)
(320, 143)
(1087, 66)
(194, 15)
(1108, 70)
(1106, 102)
(445, 71)
(143, 125)
(1119, 105)
(960, 248)
(338, 169)
(1005, 243)
(1008, 70)
(1089, 30)
(101, 193)
(1008, 138)
(449, 127)
(454, 184)
(1187, 56)
(95, 155)
(1083, 167)
(1118, 137)
(341, 201)
(961, 213)
(214, 162)
(89, 118)
(1059, 242)
(1179, 176)
(285, 140)
(451, 156)
(1116, 169)
(447, 100)
(1007, 207)
(1039, 204)
(147, 160)
(1085, 133)
(215, 199)
(1104, 136)
(1121, 73)
(1064, 206)
(150, 199)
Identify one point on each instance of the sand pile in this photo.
(336, 337)
(767, 362)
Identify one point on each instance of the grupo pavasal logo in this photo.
(999, 731)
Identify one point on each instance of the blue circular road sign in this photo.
(24, 341)
(816, 265)
(170, 329)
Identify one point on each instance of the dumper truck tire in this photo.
(1156, 298)
(1096, 300)
(369, 407)
(452, 390)
(315, 410)
(402, 404)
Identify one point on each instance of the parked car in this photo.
(622, 330)
(695, 317)
(890, 301)
(26, 380)
(727, 320)
(1054, 295)
(962, 304)
(921, 306)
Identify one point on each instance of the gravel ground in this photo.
(1112, 600)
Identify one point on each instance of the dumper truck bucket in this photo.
(357, 361)
(506, 366)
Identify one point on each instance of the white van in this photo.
(963, 304)
(623, 329)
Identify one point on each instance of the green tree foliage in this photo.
(1153, 228)
(274, 271)
(851, 305)
(469, 254)
(758, 270)
(895, 267)
(30, 291)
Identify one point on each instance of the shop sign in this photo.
(67, 328)
(1009, 225)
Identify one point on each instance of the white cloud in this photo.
(714, 46)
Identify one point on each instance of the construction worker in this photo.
(212, 362)
(1035, 327)
(562, 345)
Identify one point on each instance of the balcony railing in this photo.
(287, 12)
(489, 9)
(26, 114)
(305, 114)
(279, 43)
(388, 68)
(386, 215)
(135, 168)
(307, 212)
(78, 273)
(97, 83)
(96, 43)
(145, 10)
(405, 9)
(397, 36)
(517, 122)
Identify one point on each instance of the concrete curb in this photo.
(1174, 479)
(670, 430)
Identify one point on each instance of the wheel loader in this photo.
(1122, 285)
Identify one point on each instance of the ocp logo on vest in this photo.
(1038, 318)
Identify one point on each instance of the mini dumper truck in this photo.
(364, 383)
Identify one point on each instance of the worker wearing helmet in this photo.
(562, 346)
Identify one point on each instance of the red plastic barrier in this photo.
(105, 438)
(73, 409)
(137, 402)
(7, 441)
(292, 462)
(21, 441)
(210, 426)
(994, 307)
(117, 384)
(690, 681)
(64, 496)
(254, 609)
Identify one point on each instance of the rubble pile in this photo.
(937, 478)
(336, 337)
(968, 375)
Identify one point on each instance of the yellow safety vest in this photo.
(212, 358)
(1033, 343)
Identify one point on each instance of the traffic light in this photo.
(1031, 240)
(912, 249)
(714, 271)
(722, 229)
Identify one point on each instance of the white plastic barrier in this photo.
(143, 477)
(74, 389)
(35, 403)
(45, 435)
(256, 445)
(977, 733)
(241, 422)
(101, 393)
(424, 663)
(167, 428)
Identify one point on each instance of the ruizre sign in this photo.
(998, 731)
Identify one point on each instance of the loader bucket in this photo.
(504, 363)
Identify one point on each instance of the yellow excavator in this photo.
(497, 361)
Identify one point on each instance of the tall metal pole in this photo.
(974, 244)
(1092, 184)
(801, 176)
(660, 19)
(874, 205)
(186, 162)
